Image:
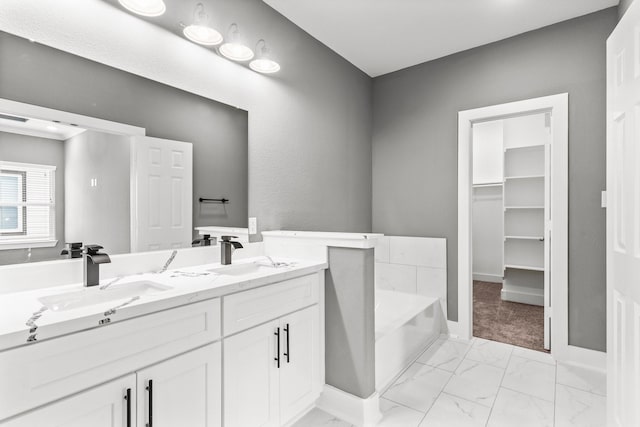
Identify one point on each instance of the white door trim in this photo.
(559, 108)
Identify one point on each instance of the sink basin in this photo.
(243, 269)
(90, 296)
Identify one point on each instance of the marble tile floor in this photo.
(486, 384)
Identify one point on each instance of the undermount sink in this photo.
(95, 295)
(243, 269)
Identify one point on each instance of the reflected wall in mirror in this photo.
(92, 177)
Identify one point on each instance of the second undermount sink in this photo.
(243, 269)
(94, 295)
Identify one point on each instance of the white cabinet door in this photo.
(102, 406)
(182, 391)
(300, 368)
(161, 194)
(251, 377)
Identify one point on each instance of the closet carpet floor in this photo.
(503, 321)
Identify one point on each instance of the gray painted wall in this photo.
(415, 146)
(623, 6)
(31, 149)
(92, 217)
(349, 321)
(309, 125)
(221, 168)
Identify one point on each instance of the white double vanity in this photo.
(195, 344)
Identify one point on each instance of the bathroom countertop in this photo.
(24, 320)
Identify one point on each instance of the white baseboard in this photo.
(451, 329)
(350, 408)
(584, 357)
(484, 277)
(522, 297)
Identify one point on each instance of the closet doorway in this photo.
(510, 216)
(512, 198)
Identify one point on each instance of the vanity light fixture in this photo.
(149, 8)
(264, 62)
(200, 32)
(234, 49)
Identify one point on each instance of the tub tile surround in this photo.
(414, 265)
(519, 387)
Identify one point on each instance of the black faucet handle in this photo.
(92, 249)
(228, 238)
(205, 240)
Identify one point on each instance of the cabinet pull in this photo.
(150, 390)
(127, 397)
(287, 330)
(277, 358)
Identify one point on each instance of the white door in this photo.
(300, 367)
(161, 194)
(182, 391)
(103, 406)
(251, 377)
(623, 221)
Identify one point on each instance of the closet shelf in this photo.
(523, 207)
(489, 184)
(524, 267)
(540, 238)
(524, 147)
(524, 177)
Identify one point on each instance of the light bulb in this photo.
(263, 62)
(234, 49)
(200, 32)
(202, 35)
(144, 7)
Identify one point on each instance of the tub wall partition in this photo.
(411, 301)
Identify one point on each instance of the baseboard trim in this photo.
(522, 297)
(485, 277)
(584, 357)
(350, 408)
(452, 329)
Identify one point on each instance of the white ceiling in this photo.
(37, 127)
(381, 36)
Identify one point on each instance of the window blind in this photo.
(27, 203)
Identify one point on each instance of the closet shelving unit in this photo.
(524, 199)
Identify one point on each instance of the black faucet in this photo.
(227, 247)
(92, 260)
(204, 241)
(73, 250)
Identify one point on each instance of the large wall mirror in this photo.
(83, 150)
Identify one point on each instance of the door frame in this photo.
(558, 106)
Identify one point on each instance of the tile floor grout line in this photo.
(470, 343)
(462, 358)
(527, 394)
(402, 404)
(582, 390)
(499, 386)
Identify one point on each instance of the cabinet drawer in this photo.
(39, 373)
(246, 309)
